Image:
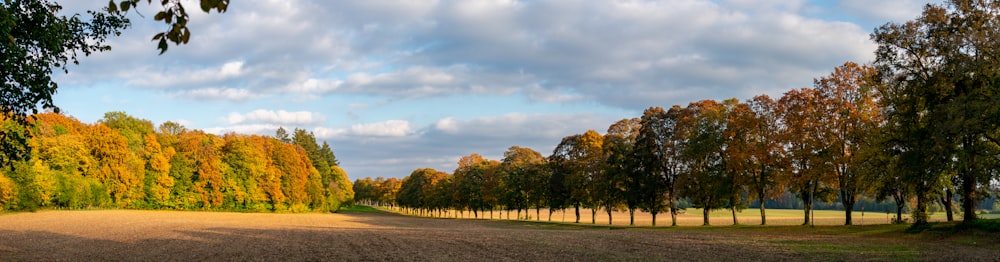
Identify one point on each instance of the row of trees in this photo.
(122, 161)
(827, 143)
(921, 124)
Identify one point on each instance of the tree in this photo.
(851, 117)
(942, 68)
(282, 135)
(806, 144)
(708, 183)
(613, 184)
(580, 157)
(522, 166)
(656, 166)
(34, 40)
(341, 190)
(755, 151)
(110, 151)
(468, 184)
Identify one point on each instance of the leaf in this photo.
(125, 6)
(112, 7)
(162, 46)
(158, 36)
(160, 16)
(207, 5)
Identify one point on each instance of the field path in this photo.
(128, 235)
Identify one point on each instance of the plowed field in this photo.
(125, 235)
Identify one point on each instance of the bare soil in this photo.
(127, 235)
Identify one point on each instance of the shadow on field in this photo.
(390, 237)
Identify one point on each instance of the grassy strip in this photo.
(359, 209)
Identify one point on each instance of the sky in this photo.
(397, 85)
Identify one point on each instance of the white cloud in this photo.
(389, 128)
(280, 117)
(212, 94)
(164, 76)
(257, 129)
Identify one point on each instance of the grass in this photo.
(359, 209)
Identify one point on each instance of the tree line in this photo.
(124, 162)
(919, 124)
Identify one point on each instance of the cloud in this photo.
(280, 117)
(440, 144)
(256, 129)
(389, 128)
(213, 94)
(625, 54)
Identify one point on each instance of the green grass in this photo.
(359, 209)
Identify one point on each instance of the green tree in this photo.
(341, 190)
(522, 166)
(34, 40)
(707, 184)
(656, 166)
(942, 70)
(612, 185)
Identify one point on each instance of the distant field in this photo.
(693, 217)
(127, 235)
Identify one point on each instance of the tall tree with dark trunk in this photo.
(851, 116)
(942, 68)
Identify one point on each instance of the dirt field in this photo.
(206, 236)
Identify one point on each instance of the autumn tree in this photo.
(755, 152)
(114, 164)
(42, 39)
(579, 158)
(613, 183)
(851, 117)
(942, 69)
(807, 146)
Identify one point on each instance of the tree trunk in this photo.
(900, 204)
(673, 215)
(763, 215)
(577, 207)
(807, 206)
(735, 222)
(519, 214)
(538, 214)
(593, 216)
(550, 214)
(968, 198)
(654, 217)
(946, 201)
(848, 199)
(631, 216)
(704, 212)
(969, 185)
(609, 216)
(920, 214)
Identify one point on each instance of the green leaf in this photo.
(125, 6)
(112, 7)
(157, 36)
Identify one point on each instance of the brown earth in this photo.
(125, 235)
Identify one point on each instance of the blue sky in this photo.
(399, 85)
